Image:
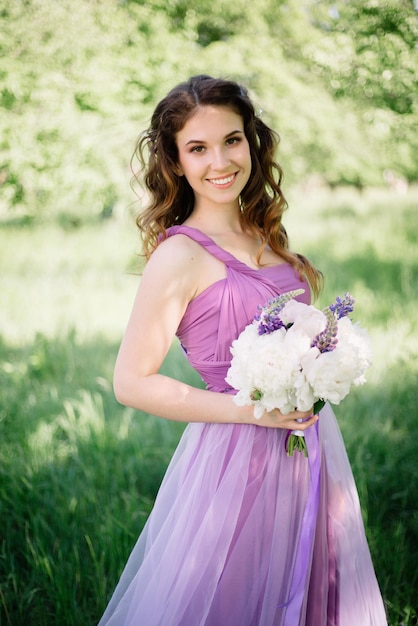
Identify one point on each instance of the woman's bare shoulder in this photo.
(176, 266)
(183, 261)
(177, 250)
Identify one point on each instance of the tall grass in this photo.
(79, 473)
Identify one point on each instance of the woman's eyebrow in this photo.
(233, 132)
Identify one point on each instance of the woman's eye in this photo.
(197, 149)
(233, 140)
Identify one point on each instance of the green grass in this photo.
(79, 473)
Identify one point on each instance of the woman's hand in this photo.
(275, 419)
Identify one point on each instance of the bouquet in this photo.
(294, 356)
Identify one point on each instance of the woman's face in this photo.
(214, 156)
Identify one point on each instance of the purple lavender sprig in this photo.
(268, 320)
(326, 341)
(342, 307)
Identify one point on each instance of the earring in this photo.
(241, 205)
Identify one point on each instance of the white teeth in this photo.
(222, 181)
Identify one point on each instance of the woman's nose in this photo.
(220, 159)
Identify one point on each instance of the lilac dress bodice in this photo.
(218, 315)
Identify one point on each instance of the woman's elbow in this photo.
(123, 389)
(120, 395)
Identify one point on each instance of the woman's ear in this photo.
(178, 170)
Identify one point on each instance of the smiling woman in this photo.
(240, 533)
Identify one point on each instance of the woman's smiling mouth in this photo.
(222, 182)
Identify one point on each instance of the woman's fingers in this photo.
(306, 423)
(276, 419)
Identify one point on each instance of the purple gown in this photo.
(230, 541)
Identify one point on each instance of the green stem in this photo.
(296, 442)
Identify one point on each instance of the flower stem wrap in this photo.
(295, 439)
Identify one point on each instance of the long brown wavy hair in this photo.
(171, 199)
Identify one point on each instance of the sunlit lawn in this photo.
(79, 473)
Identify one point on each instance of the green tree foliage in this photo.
(79, 79)
(368, 53)
(206, 22)
(375, 41)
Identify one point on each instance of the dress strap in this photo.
(211, 246)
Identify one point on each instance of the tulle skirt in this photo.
(222, 544)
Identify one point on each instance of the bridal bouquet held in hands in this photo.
(294, 356)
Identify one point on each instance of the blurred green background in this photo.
(79, 80)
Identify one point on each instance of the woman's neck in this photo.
(215, 222)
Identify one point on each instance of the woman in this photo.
(240, 534)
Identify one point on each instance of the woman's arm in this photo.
(170, 280)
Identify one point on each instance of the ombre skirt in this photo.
(243, 535)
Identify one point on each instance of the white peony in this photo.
(304, 317)
(331, 374)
